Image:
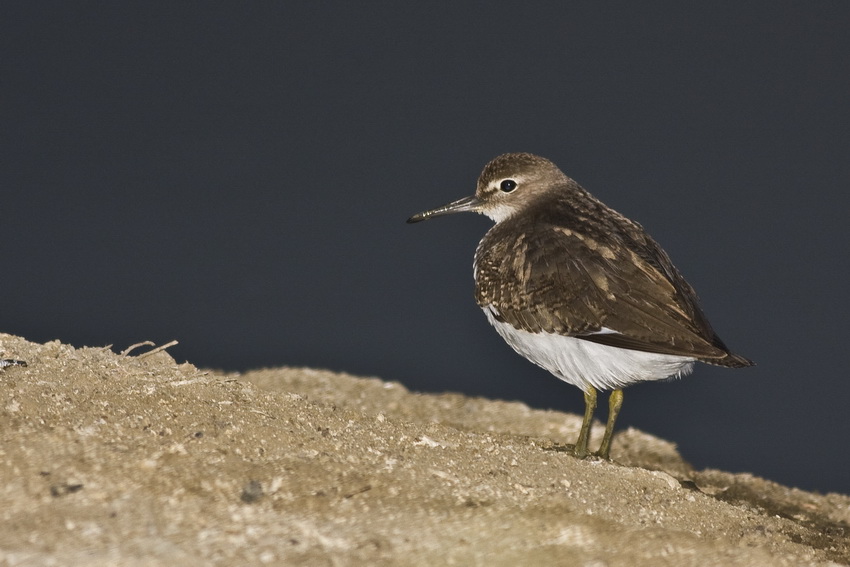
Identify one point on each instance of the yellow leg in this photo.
(580, 450)
(615, 402)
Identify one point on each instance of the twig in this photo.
(130, 348)
(158, 349)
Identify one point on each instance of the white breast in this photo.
(584, 363)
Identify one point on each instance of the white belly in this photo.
(584, 363)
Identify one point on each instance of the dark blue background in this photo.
(237, 176)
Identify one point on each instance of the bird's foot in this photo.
(578, 454)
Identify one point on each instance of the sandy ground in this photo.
(137, 460)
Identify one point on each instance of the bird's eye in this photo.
(507, 185)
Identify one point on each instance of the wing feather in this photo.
(561, 281)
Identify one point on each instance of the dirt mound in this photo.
(137, 460)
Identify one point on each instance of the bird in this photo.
(579, 289)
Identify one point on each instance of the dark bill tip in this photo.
(418, 217)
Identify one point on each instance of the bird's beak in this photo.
(467, 204)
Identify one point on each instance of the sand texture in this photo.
(110, 459)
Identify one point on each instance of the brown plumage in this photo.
(579, 289)
(570, 265)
